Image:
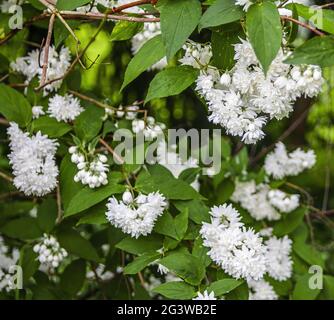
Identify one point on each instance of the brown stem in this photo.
(91, 100)
(129, 5)
(6, 177)
(303, 24)
(47, 50)
(119, 159)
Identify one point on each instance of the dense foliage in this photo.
(86, 216)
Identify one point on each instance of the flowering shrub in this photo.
(100, 199)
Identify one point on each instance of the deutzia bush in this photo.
(98, 199)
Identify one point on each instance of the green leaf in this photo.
(61, 33)
(125, 30)
(223, 41)
(224, 286)
(302, 290)
(318, 50)
(141, 245)
(178, 20)
(186, 266)
(328, 287)
(176, 290)
(181, 224)
(141, 262)
(76, 244)
(22, 228)
(201, 252)
(28, 262)
(70, 5)
(322, 18)
(221, 12)
(95, 215)
(50, 127)
(14, 106)
(264, 31)
(241, 292)
(289, 222)
(88, 197)
(308, 254)
(171, 81)
(47, 214)
(189, 175)
(73, 277)
(68, 188)
(198, 211)
(151, 52)
(169, 186)
(89, 123)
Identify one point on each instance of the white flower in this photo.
(101, 272)
(7, 260)
(282, 201)
(33, 161)
(64, 108)
(237, 250)
(93, 168)
(280, 164)
(244, 3)
(254, 198)
(37, 111)
(279, 263)
(50, 254)
(244, 98)
(151, 129)
(136, 218)
(261, 290)
(205, 296)
(58, 64)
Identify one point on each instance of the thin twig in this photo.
(119, 159)
(91, 100)
(46, 50)
(59, 210)
(6, 177)
(4, 122)
(303, 24)
(142, 281)
(4, 77)
(128, 6)
(327, 5)
(285, 134)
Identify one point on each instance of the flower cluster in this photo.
(279, 263)
(239, 251)
(58, 63)
(64, 108)
(262, 202)
(136, 216)
(101, 273)
(150, 128)
(261, 290)
(37, 111)
(91, 172)
(50, 254)
(242, 99)
(7, 260)
(33, 161)
(280, 163)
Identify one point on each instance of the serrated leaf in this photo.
(14, 106)
(76, 244)
(186, 266)
(22, 228)
(264, 31)
(318, 50)
(51, 127)
(224, 286)
(176, 290)
(125, 30)
(178, 19)
(141, 245)
(151, 52)
(88, 197)
(171, 81)
(141, 262)
(220, 12)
